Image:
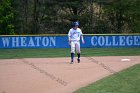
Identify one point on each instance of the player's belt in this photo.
(75, 40)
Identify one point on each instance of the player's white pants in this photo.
(75, 45)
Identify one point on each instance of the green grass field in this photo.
(65, 52)
(126, 81)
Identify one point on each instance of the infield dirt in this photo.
(57, 75)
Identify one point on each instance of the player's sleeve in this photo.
(81, 32)
(82, 38)
(69, 35)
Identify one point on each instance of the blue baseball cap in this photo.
(76, 23)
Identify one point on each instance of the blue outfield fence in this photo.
(91, 41)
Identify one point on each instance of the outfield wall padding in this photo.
(61, 41)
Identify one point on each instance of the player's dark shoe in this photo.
(78, 60)
(71, 62)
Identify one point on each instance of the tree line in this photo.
(57, 16)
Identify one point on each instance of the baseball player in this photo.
(74, 36)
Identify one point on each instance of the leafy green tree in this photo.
(56, 16)
(122, 16)
(6, 17)
(73, 10)
(133, 12)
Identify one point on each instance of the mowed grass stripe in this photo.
(65, 52)
(33, 53)
(126, 81)
(111, 52)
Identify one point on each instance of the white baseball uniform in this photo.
(74, 36)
